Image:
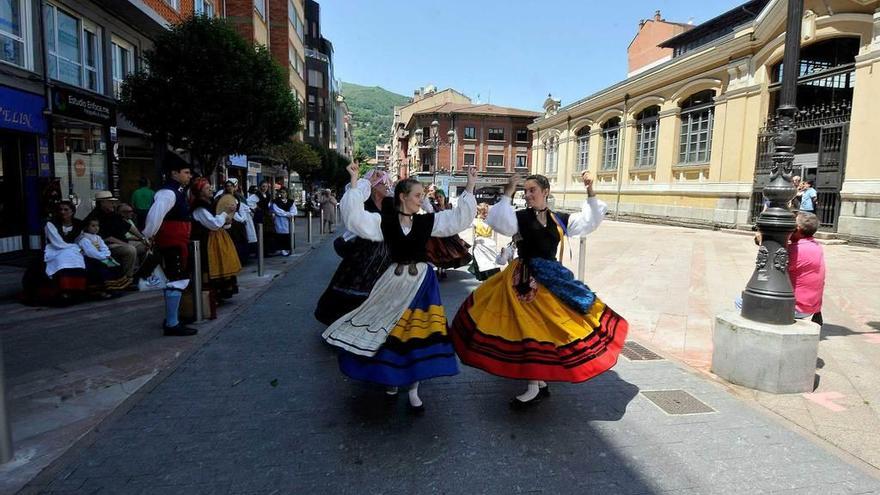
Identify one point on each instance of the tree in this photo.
(208, 90)
(361, 157)
(299, 157)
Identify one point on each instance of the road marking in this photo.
(825, 399)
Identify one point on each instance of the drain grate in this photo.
(637, 352)
(677, 402)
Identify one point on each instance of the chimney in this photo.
(657, 16)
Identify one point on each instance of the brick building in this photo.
(494, 139)
(644, 51)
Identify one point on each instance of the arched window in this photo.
(583, 150)
(610, 143)
(697, 114)
(551, 147)
(647, 122)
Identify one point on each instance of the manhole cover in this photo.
(637, 352)
(677, 402)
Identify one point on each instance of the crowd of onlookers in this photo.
(106, 254)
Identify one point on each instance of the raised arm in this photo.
(451, 222)
(361, 222)
(502, 217)
(592, 212)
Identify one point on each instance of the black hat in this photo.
(172, 162)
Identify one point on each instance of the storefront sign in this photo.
(22, 111)
(254, 168)
(239, 161)
(82, 106)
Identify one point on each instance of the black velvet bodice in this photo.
(406, 248)
(538, 241)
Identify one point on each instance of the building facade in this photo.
(496, 140)
(61, 135)
(426, 97)
(321, 85)
(280, 26)
(687, 141)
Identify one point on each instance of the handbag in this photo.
(155, 281)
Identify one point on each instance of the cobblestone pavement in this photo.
(262, 408)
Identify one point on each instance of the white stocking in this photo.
(530, 393)
(414, 399)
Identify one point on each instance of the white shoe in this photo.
(285, 252)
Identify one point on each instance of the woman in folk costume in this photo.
(485, 262)
(220, 263)
(64, 280)
(363, 260)
(283, 209)
(534, 321)
(239, 232)
(446, 252)
(398, 336)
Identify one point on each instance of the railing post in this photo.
(309, 228)
(260, 248)
(292, 234)
(322, 221)
(197, 280)
(582, 259)
(5, 431)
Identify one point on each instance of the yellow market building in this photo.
(685, 141)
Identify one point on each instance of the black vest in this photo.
(180, 211)
(538, 241)
(406, 248)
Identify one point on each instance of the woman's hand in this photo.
(471, 180)
(510, 187)
(354, 171)
(588, 182)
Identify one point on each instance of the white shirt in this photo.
(163, 201)
(209, 221)
(60, 255)
(93, 246)
(502, 217)
(368, 225)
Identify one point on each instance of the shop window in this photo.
(73, 45)
(15, 33)
(80, 162)
(697, 116)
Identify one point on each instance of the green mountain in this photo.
(372, 110)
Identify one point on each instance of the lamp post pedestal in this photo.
(764, 347)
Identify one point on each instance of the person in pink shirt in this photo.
(806, 268)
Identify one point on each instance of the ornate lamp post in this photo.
(434, 142)
(768, 297)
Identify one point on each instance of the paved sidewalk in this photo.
(67, 369)
(262, 408)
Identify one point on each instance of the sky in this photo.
(505, 52)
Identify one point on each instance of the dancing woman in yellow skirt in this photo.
(534, 321)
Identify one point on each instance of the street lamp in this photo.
(434, 142)
(768, 297)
